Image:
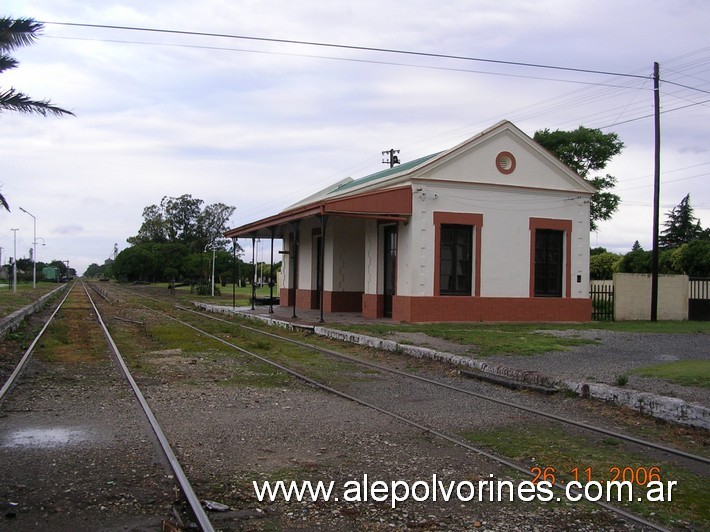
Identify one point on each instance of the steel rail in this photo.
(542, 413)
(21, 364)
(182, 479)
(619, 511)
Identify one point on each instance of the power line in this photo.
(685, 86)
(343, 47)
(346, 59)
(662, 112)
(557, 104)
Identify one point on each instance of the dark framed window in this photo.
(549, 259)
(456, 260)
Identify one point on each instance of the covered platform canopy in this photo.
(346, 199)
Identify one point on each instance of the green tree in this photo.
(681, 226)
(3, 202)
(212, 222)
(636, 261)
(93, 271)
(693, 259)
(586, 151)
(137, 263)
(183, 220)
(15, 33)
(152, 229)
(601, 265)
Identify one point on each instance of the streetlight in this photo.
(14, 260)
(213, 261)
(34, 243)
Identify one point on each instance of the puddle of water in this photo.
(55, 437)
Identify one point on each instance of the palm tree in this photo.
(15, 33)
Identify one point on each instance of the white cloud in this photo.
(260, 129)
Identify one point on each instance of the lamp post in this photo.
(34, 255)
(34, 243)
(213, 254)
(213, 261)
(14, 260)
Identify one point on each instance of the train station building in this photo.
(493, 229)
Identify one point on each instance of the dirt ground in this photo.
(75, 453)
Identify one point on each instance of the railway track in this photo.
(66, 413)
(455, 439)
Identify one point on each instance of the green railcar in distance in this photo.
(51, 273)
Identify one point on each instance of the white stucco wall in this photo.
(505, 236)
(632, 297)
(478, 165)
(372, 257)
(345, 250)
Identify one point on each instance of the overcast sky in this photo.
(260, 125)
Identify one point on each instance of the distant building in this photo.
(494, 229)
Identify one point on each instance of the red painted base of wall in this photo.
(332, 301)
(285, 297)
(432, 309)
(307, 299)
(427, 309)
(373, 306)
(342, 301)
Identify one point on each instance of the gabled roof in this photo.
(395, 170)
(387, 194)
(426, 167)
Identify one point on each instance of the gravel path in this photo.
(610, 355)
(229, 435)
(619, 353)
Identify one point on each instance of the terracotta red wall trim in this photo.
(556, 225)
(459, 218)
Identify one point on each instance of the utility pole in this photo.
(393, 158)
(14, 260)
(656, 189)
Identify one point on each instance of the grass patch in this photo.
(11, 301)
(684, 372)
(68, 339)
(487, 339)
(239, 295)
(543, 447)
(484, 339)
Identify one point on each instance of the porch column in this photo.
(234, 272)
(271, 274)
(321, 251)
(296, 224)
(253, 262)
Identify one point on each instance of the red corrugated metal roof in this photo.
(388, 204)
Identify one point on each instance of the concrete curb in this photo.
(12, 321)
(659, 406)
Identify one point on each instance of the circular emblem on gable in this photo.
(505, 162)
